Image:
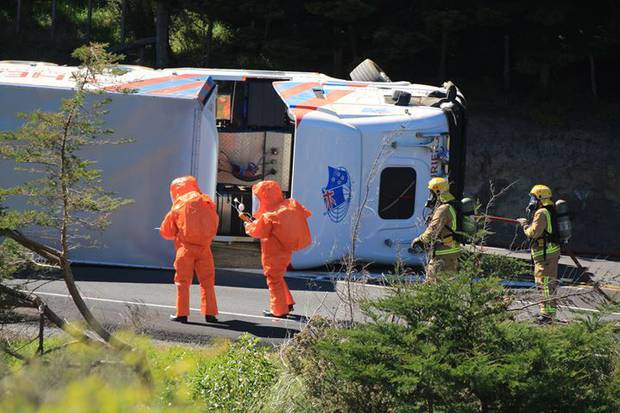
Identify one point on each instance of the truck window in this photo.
(397, 193)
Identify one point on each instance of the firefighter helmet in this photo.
(439, 185)
(441, 188)
(542, 193)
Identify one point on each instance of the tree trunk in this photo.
(443, 55)
(593, 76)
(162, 34)
(53, 29)
(545, 73)
(209, 43)
(35, 301)
(337, 52)
(58, 258)
(353, 43)
(506, 62)
(89, 19)
(338, 60)
(18, 16)
(123, 21)
(41, 347)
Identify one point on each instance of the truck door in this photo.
(397, 195)
(206, 146)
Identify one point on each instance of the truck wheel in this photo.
(368, 71)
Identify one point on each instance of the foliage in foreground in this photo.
(455, 347)
(87, 379)
(452, 346)
(238, 379)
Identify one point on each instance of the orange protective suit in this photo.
(192, 224)
(282, 227)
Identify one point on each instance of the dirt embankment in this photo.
(579, 160)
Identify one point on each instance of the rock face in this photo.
(581, 164)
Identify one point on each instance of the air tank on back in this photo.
(469, 225)
(565, 227)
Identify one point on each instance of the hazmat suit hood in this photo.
(183, 185)
(269, 195)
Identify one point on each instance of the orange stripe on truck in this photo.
(297, 89)
(149, 82)
(173, 89)
(310, 105)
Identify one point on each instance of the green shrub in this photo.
(91, 378)
(494, 265)
(454, 346)
(238, 379)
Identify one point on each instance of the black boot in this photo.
(267, 313)
(544, 319)
(211, 319)
(179, 319)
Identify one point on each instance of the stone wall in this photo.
(580, 162)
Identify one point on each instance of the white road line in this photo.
(111, 300)
(570, 307)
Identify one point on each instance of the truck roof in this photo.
(133, 79)
(301, 91)
(346, 99)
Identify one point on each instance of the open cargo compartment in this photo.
(255, 144)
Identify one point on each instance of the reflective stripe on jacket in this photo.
(536, 231)
(438, 231)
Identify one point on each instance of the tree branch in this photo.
(44, 251)
(36, 302)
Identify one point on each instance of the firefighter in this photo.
(545, 248)
(282, 227)
(439, 237)
(192, 224)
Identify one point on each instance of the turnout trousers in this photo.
(546, 278)
(441, 264)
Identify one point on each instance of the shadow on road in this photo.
(224, 278)
(258, 330)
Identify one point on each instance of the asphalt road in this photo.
(144, 299)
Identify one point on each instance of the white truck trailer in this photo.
(356, 153)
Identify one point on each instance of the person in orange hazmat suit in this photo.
(192, 224)
(282, 227)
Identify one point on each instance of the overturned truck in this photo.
(356, 153)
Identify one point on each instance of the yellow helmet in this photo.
(542, 193)
(440, 187)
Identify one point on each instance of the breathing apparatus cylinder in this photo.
(469, 224)
(565, 227)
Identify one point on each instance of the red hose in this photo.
(500, 219)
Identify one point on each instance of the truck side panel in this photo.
(164, 134)
(326, 179)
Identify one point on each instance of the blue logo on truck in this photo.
(337, 193)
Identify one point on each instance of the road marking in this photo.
(570, 307)
(111, 300)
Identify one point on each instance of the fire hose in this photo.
(514, 221)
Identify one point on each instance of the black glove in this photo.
(416, 246)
